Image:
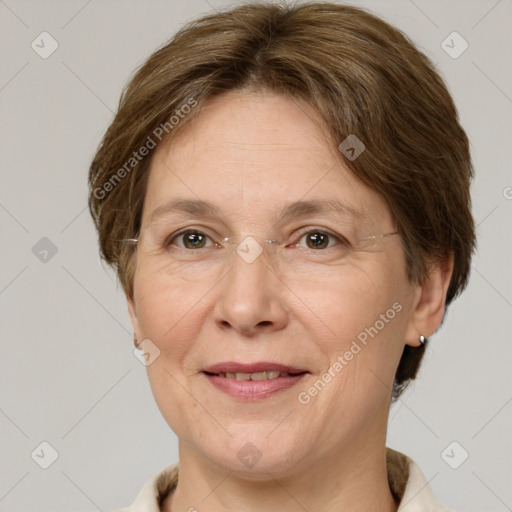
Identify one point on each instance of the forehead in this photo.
(252, 154)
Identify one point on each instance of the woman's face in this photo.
(339, 314)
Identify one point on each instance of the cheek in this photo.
(361, 359)
(350, 301)
(364, 317)
(166, 302)
(170, 313)
(187, 417)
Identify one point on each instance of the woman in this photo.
(284, 193)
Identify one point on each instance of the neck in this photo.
(353, 478)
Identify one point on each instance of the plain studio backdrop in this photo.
(69, 378)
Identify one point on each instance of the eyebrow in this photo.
(205, 209)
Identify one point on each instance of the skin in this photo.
(328, 454)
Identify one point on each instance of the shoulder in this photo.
(155, 490)
(409, 486)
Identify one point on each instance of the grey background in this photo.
(68, 374)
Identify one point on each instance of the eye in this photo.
(190, 239)
(316, 239)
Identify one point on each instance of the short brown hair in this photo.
(360, 74)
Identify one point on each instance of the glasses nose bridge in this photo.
(250, 247)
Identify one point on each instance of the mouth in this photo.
(255, 381)
(241, 376)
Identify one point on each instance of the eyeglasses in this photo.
(200, 251)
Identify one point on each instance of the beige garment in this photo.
(406, 482)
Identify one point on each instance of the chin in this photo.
(255, 456)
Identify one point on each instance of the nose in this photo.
(251, 298)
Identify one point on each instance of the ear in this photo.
(430, 300)
(132, 311)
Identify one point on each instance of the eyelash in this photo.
(342, 240)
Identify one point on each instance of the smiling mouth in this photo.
(258, 382)
(266, 375)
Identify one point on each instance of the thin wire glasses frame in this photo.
(231, 239)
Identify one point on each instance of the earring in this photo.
(422, 340)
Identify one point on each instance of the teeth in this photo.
(272, 374)
(258, 376)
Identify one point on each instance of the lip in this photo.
(261, 366)
(252, 390)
